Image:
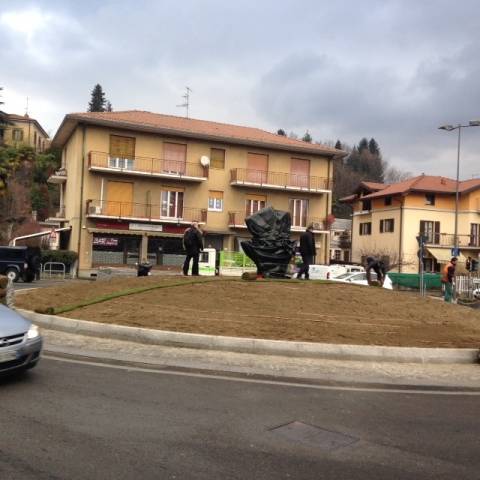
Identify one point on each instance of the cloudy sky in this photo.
(393, 70)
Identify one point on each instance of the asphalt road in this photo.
(68, 420)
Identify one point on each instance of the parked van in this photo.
(20, 262)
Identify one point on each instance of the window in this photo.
(366, 205)
(474, 235)
(122, 152)
(17, 134)
(387, 225)
(175, 157)
(431, 230)
(388, 201)
(215, 201)
(366, 228)
(35, 139)
(338, 255)
(217, 158)
(346, 256)
(430, 199)
(257, 168)
(254, 203)
(299, 172)
(171, 204)
(299, 212)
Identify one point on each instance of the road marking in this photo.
(160, 371)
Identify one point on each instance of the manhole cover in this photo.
(315, 436)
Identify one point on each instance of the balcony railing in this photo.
(237, 220)
(145, 212)
(157, 167)
(278, 180)
(448, 240)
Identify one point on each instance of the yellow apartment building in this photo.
(386, 220)
(132, 181)
(16, 130)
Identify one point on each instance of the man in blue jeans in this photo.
(193, 244)
(447, 279)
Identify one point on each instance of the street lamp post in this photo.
(449, 128)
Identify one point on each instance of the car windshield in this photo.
(344, 275)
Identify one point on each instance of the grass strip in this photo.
(122, 293)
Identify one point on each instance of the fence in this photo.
(53, 269)
(465, 285)
(235, 263)
(412, 280)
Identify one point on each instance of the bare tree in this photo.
(395, 175)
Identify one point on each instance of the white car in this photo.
(360, 278)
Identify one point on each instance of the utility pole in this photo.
(186, 103)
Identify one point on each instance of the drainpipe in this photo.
(82, 179)
(400, 244)
(329, 195)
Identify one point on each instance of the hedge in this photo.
(63, 256)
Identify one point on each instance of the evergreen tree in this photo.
(338, 145)
(307, 137)
(98, 101)
(363, 145)
(373, 147)
(281, 132)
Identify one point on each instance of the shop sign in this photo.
(112, 225)
(146, 226)
(105, 241)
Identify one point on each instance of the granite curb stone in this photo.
(254, 345)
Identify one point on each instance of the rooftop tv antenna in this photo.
(186, 104)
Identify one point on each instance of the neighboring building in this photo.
(387, 219)
(131, 182)
(16, 130)
(340, 240)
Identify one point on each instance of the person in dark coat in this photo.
(193, 244)
(307, 251)
(378, 266)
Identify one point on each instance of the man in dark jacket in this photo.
(378, 266)
(307, 251)
(193, 244)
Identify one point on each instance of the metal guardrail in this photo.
(54, 269)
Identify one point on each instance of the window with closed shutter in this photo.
(299, 172)
(175, 157)
(257, 168)
(217, 158)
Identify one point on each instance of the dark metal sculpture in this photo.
(270, 248)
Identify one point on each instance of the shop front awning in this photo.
(444, 255)
(133, 232)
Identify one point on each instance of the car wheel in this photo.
(12, 274)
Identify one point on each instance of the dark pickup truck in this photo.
(20, 262)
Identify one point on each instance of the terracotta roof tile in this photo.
(138, 118)
(425, 183)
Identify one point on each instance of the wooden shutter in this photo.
(217, 158)
(381, 226)
(215, 194)
(122, 147)
(437, 232)
(119, 199)
(299, 172)
(257, 167)
(175, 157)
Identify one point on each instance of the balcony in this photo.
(448, 240)
(144, 212)
(278, 181)
(60, 176)
(148, 167)
(237, 220)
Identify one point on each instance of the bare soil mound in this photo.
(302, 311)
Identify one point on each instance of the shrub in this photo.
(63, 256)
